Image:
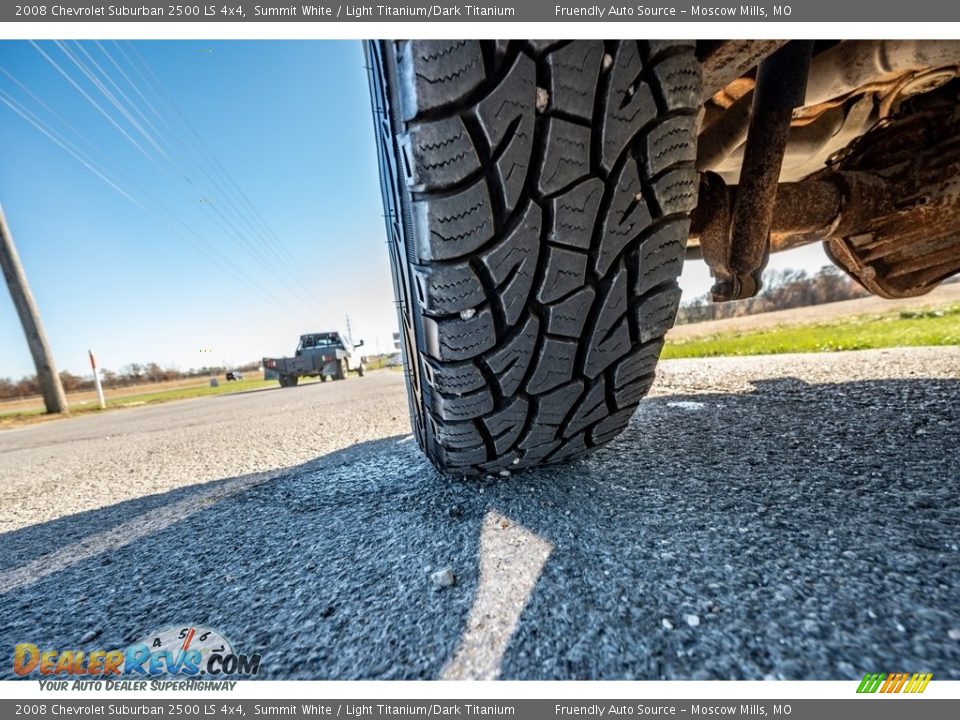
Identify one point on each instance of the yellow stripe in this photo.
(923, 684)
(912, 685)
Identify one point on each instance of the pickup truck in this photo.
(324, 355)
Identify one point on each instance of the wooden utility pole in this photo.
(47, 376)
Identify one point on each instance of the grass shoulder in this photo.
(906, 328)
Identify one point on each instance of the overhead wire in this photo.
(226, 223)
(268, 237)
(281, 250)
(208, 252)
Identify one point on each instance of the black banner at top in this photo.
(447, 11)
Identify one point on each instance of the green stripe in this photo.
(871, 682)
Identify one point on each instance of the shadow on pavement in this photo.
(793, 532)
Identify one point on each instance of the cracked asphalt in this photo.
(789, 517)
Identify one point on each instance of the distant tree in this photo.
(72, 383)
(153, 372)
(133, 373)
(28, 386)
(782, 290)
(8, 389)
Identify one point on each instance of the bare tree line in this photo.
(129, 375)
(783, 289)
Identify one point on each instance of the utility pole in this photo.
(47, 376)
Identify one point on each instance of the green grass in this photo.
(899, 329)
(224, 388)
(17, 417)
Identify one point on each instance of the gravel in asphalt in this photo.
(766, 517)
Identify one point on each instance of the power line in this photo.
(276, 256)
(281, 249)
(227, 224)
(245, 223)
(235, 272)
(89, 99)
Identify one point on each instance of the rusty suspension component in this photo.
(737, 257)
(897, 232)
(804, 212)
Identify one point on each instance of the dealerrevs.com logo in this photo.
(190, 651)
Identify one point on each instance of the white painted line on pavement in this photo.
(139, 527)
(511, 560)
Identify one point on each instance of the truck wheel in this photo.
(537, 198)
(287, 381)
(341, 370)
(361, 371)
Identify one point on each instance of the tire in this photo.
(361, 371)
(288, 380)
(341, 370)
(537, 199)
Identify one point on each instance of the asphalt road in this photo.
(786, 517)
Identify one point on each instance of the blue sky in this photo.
(280, 194)
(290, 124)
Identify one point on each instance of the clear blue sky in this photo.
(290, 124)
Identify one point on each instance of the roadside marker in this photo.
(96, 380)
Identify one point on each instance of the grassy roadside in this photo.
(930, 327)
(940, 326)
(16, 418)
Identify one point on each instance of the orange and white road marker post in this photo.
(96, 380)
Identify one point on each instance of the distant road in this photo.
(943, 295)
(784, 517)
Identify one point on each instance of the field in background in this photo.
(17, 412)
(924, 326)
(942, 296)
(865, 323)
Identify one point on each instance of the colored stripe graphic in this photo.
(918, 683)
(894, 682)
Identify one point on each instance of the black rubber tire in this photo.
(537, 199)
(288, 380)
(361, 370)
